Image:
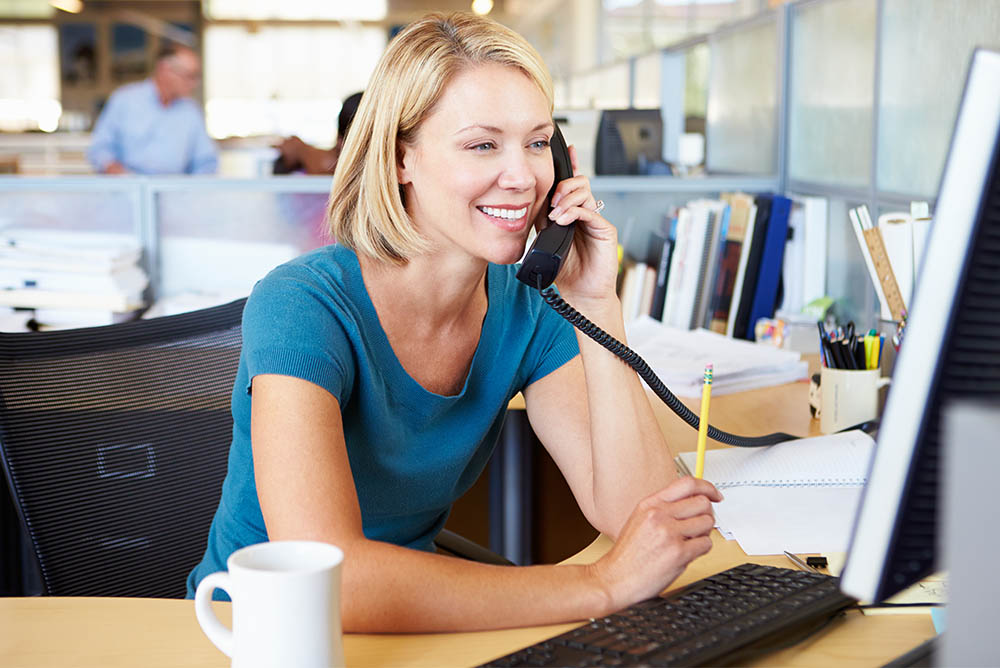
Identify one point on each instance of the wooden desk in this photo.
(129, 632)
(110, 632)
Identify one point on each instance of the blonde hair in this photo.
(366, 210)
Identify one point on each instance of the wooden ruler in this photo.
(873, 238)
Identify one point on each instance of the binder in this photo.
(755, 254)
(766, 294)
(749, 206)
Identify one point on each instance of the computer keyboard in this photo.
(737, 613)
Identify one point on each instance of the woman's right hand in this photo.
(666, 531)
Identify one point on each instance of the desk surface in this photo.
(110, 632)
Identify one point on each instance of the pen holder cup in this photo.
(848, 398)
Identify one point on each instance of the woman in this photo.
(375, 373)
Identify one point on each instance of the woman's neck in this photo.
(432, 289)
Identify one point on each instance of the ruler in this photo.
(873, 238)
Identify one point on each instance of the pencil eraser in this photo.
(816, 562)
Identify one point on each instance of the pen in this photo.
(847, 352)
(824, 346)
(859, 353)
(706, 395)
(801, 564)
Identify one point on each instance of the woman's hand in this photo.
(666, 531)
(591, 268)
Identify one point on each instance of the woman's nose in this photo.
(517, 173)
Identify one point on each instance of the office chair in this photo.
(114, 441)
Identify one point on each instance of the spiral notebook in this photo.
(799, 495)
(837, 460)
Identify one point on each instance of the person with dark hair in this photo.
(153, 126)
(296, 155)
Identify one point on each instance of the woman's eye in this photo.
(540, 144)
(482, 148)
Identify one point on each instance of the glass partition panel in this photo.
(221, 237)
(926, 47)
(742, 133)
(832, 92)
(87, 206)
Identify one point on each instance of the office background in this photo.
(851, 100)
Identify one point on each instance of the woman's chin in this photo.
(508, 255)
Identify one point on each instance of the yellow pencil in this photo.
(706, 395)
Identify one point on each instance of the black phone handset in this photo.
(539, 270)
(542, 261)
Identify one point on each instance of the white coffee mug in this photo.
(286, 605)
(848, 397)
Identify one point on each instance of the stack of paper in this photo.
(800, 496)
(679, 356)
(71, 278)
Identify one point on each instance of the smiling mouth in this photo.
(509, 215)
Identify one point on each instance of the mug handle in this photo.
(882, 382)
(220, 635)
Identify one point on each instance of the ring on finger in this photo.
(600, 206)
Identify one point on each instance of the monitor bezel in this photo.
(964, 183)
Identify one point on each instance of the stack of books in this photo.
(71, 278)
(718, 265)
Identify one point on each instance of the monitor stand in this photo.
(968, 539)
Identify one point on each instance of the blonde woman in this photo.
(375, 373)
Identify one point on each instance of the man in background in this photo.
(153, 126)
(298, 156)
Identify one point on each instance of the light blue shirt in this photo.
(412, 452)
(136, 130)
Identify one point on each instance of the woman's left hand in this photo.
(591, 268)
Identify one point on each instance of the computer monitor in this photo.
(630, 141)
(951, 351)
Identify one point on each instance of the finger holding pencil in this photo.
(706, 396)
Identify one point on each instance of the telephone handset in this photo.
(539, 269)
(542, 261)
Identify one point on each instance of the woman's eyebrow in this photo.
(492, 128)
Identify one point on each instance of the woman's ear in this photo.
(405, 156)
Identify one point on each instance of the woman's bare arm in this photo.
(306, 491)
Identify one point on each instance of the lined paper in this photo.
(835, 460)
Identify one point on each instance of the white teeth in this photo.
(506, 214)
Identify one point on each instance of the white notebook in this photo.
(837, 460)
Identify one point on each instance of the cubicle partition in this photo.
(216, 237)
(200, 235)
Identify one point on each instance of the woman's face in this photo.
(480, 167)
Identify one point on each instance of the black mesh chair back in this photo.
(114, 442)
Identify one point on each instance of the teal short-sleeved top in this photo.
(412, 452)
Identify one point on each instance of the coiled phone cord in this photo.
(633, 359)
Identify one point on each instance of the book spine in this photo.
(662, 274)
(765, 296)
